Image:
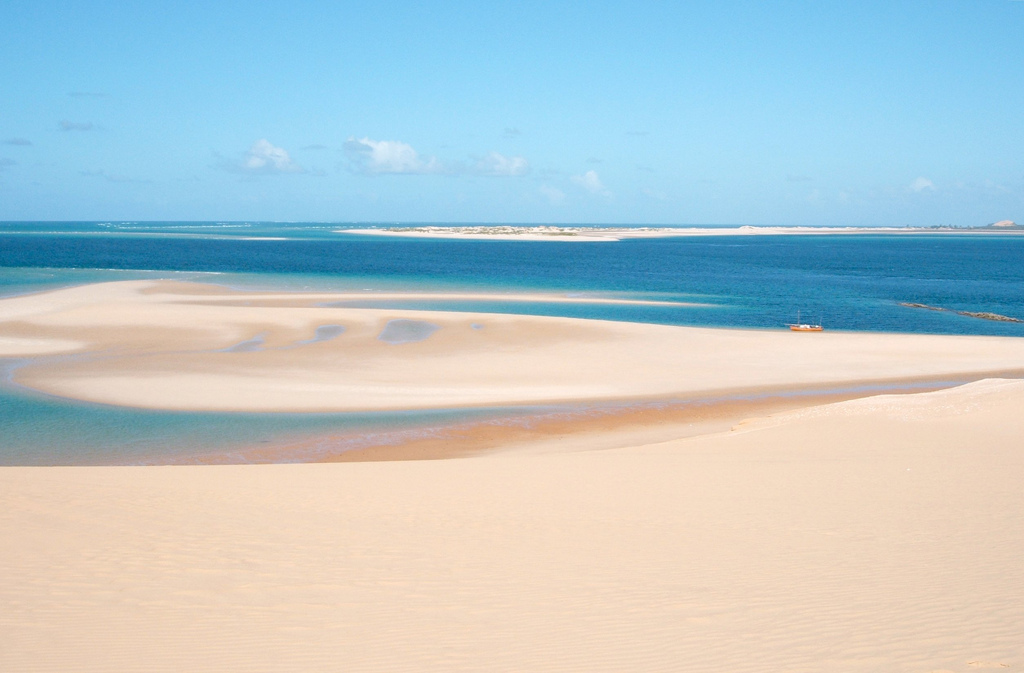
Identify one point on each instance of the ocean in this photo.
(846, 282)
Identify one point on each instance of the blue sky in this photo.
(873, 113)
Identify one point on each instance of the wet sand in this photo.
(591, 427)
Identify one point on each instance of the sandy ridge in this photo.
(571, 234)
(162, 345)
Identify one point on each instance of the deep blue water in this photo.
(846, 282)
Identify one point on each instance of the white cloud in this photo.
(264, 157)
(590, 182)
(500, 165)
(383, 157)
(922, 184)
(555, 196)
(389, 156)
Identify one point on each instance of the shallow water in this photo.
(845, 282)
(40, 429)
(325, 333)
(248, 346)
(403, 331)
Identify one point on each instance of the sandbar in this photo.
(763, 532)
(168, 345)
(606, 234)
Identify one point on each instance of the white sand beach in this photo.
(875, 534)
(606, 234)
(882, 534)
(165, 345)
(359, 337)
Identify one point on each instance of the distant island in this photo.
(613, 233)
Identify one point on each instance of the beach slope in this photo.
(882, 534)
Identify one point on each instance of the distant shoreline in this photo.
(572, 234)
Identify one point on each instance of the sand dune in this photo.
(882, 534)
(185, 346)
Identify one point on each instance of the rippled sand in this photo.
(882, 534)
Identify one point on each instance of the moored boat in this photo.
(803, 326)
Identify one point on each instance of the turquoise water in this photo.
(40, 429)
(846, 282)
